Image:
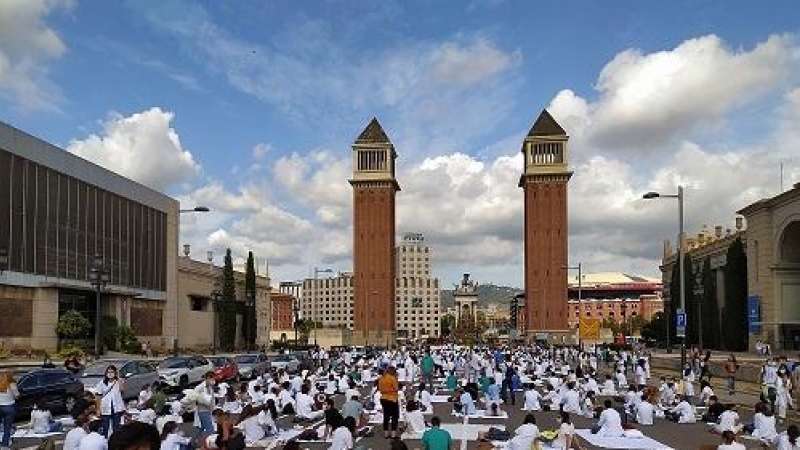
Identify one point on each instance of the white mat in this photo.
(30, 434)
(481, 414)
(642, 443)
(440, 398)
(467, 432)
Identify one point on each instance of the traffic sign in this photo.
(680, 323)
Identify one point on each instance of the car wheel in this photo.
(184, 382)
(69, 403)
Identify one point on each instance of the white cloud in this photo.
(260, 150)
(472, 63)
(27, 46)
(143, 147)
(648, 100)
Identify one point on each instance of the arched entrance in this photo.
(787, 283)
(789, 244)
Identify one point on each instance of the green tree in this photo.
(448, 324)
(249, 319)
(734, 314)
(72, 325)
(711, 331)
(109, 333)
(656, 328)
(228, 308)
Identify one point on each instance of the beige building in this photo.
(418, 303)
(329, 301)
(773, 268)
(196, 320)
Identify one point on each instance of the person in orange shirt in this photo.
(388, 386)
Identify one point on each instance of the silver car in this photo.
(252, 365)
(137, 375)
(287, 362)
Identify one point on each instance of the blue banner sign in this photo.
(754, 314)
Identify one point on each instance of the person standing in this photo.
(8, 406)
(205, 405)
(731, 367)
(109, 392)
(428, 364)
(388, 386)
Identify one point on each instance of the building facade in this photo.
(615, 296)
(544, 182)
(329, 302)
(198, 323)
(58, 213)
(374, 190)
(773, 269)
(418, 303)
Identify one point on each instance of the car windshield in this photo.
(99, 369)
(246, 359)
(283, 358)
(218, 362)
(174, 364)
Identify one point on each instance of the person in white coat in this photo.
(609, 424)
(788, 440)
(109, 392)
(204, 395)
(95, 439)
(532, 397)
(525, 436)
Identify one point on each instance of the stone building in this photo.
(418, 303)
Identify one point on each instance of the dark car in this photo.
(53, 389)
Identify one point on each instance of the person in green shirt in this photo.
(428, 366)
(436, 438)
(484, 382)
(452, 382)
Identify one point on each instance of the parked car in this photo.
(288, 362)
(183, 371)
(252, 365)
(53, 389)
(137, 375)
(224, 369)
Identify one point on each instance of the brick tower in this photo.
(374, 189)
(545, 184)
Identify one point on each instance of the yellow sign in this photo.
(590, 328)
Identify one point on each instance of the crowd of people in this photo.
(339, 400)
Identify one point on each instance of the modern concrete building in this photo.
(544, 182)
(57, 212)
(616, 296)
(329, 301)
(198, 323)
(418, 303)
(374, 190)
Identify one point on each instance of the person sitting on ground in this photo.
(494, 410)
(645, 411)
(342, 436)
(788, 440)
(566, 433)
(525, 436)
(424, 398)
(250, 425)
(353, 408)
(683, 412)
(608, 387)
(135, 436)
(729, 442)
(305, 405)
(147, 413)
(72, 440)
(173, 439)
(331, 419)
(764, 422)
(436, 438)
(715, 408)
(95, 440)
(532, 397)
(609, 424)
(467, 403)
(728, 420)
(571, 400)
(589, 405)
(415, 421)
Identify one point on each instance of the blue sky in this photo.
(250, 107)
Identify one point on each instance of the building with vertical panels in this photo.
(544, 181)
(57, 211)
(329, 301)
(418, 305)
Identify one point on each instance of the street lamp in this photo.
(317, 271)
(99, 277)
(681, 269)
(195, 209)
(699, 291)
(216, 297)
(249, 304)
(579, 268)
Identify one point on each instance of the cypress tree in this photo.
(711, 331)
(734, 325)
(227, 308)
(249, 317)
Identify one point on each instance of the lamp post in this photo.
(216, 297)
(699, 290)
(579, 268)
(317, 271)
(681, 269)
(624, 308)
(196, 209)
(249, 304)
(99, 276)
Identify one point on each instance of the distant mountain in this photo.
(487, 294)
